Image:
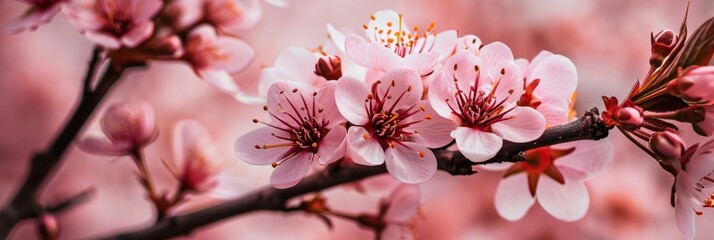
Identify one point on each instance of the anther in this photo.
(422, 107)
(477, 68)
(313, 145)
(503, 71)
(295, 90)
(421, 154)
(427, 117)
(255, 120)
(365, 136)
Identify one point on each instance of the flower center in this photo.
(302, 131)
(387, 123)
(400, 40)
(539, 162)
(474, 107)
(117, 20)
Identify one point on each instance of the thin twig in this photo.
(589, 126)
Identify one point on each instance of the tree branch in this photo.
(589, 126)
(23, 205)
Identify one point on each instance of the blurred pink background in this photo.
(41, 72)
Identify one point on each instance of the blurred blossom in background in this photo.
(608, 41)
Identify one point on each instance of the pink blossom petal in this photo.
(404, 203)
(469, 43)
(589, 160)
(462, 67)
(365, 151)
(221, 80)
(237, 54)
(138, 34)
(332, 146)
(32, 19)
(555, 111)
(513, 198)
(524, 124)
(558, 77)
(702, 162)
(685, 220)
(248, 16)
(410, 162)
(350, 95)
(278, 3)
(285, 99)
(440, 95)
(396, 232)
(80, 17)
(370, 55)
(246, 150)
(382, 20)
(102, 146)
(298, 63)
(476, 145)
(146, 9)
(400, 81)
(568, 202)
(542, 55)
(184, 13)
(105, 40)
(423, 63)
(497, 167)
(325, 100)
(495, 52)
(291, 171)
(445, 43)
(433, 131)
(509, 79)
(268, 77)
(188, 136)
(337, 38)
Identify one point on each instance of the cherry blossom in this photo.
(305, 125)
(549, 82)
(391, 43)
(197, 157)
(114, 23)
(696, 84)
(214, 58)
(399, 213)
(480, 93)
(392, 125)
(40, 12)
(127, 127)
(693, 186)
(554, 176)
(225, 15)
(293, 64)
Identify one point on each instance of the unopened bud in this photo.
(696, 85)
(170, 46)
(630, 118)
(662, 45)
(329, 67)
(129, 123)
(693, 114)
(47, 227)
(668, 146)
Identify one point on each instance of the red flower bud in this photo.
(696, 84)
(630, 118)
(668, 146)
(329, 67)
(662, 45)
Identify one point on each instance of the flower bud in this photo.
(47, 227)
(630, 118)
(167, 46)
(696, 84)
(662, 45)
(668, 146)
(329, 67)
(131, 123)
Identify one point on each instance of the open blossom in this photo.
(696, 84)
(392, 125)
(391, 43)
(305, 125)
(480, 93)
(399, 213)
(215, 57)
(40, 12)
(693, 186)
(126, 127)
(549, 83)
(197, 156)
(225, 15)
(554, 176)
(114, 23)
(293, 64)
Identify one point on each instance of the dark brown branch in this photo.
(23, 205)
(588, 126)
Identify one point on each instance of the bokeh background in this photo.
(608, 40)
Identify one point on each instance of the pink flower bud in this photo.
(47, 227)
(696, 84)
(667, 145)
(662, 45)
(166, 46)
(126, 127)
(630, 118)
(329, 67)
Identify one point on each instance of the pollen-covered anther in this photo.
(365, 136)
(421, 154)
(427, 117)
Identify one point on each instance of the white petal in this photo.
(410, 162)
(568, 202)
(476, 145)
(291, 171)
(513, 199)
(525, 124)
(365, 151)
